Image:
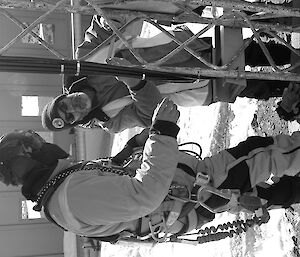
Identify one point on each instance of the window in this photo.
(28, 212)
(34, 105)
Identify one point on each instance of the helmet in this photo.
(50, 117)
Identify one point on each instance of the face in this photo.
(74, 107)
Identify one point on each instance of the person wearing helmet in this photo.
(115, 107)
(104, 102)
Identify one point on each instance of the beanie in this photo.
(13, 143)
(50, 117)
(10, 146)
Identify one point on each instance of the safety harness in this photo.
(178, 212)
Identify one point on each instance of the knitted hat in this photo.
(50, 117)
(14, 143)
(9, 147)
(11, 144)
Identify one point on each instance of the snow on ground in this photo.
(273, 238)
(244, 110)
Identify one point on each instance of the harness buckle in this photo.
(201, 179)
(109, 164)
(106, 162)
(229, 194)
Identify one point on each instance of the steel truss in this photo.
(261, 18)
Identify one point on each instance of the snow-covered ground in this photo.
(271, 239)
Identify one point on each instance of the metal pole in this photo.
(76, 28)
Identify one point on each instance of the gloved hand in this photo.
(290, 98)
(289, 108)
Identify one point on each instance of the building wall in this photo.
(18, 236)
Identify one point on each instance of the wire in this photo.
(74, 67)
(198, 155)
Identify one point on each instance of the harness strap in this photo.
(186, 169)
(56, 182)
(181, 217)
(50, 187)
(158, 225)
(174, 213)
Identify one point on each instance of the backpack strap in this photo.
(49, 191)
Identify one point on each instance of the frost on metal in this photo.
(236, 15)
(35, 5)
(20, 4)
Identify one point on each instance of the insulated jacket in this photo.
(130, 108)
(95, 203)
(153, 49)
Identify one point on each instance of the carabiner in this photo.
(229, 194)
(157, 229)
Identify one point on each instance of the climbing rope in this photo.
(197, 155)
(222, 231)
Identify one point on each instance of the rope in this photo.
(84, 166)
(222, 231)
(198, 155)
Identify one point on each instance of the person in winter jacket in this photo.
(115, 106)
(104, 101)
(162, 190)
